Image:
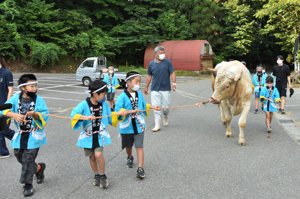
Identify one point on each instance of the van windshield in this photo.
(88, 63)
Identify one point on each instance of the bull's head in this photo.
(224, 85)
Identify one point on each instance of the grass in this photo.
(126, 69)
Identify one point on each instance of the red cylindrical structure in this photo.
(184, 54)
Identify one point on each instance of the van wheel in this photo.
(86, 81)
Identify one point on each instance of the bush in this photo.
(126, 69)
(45, 53)
(218, 59)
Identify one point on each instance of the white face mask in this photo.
(111, 72)
(264, 71)
(135, 87)
(161, 57)
(279, 61)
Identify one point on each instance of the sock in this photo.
(38, 167)
(102, 174)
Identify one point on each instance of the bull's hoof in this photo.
(229, 135)
(242, 143)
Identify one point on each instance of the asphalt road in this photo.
(191, 158)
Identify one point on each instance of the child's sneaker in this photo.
(140, 173)
(4, 156)
(282, 111)
(256, 111)
(269, 129)
(130, 162)
(103, 181)
(96, 180)
(28, 190)
(40, 174)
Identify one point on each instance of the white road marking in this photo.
(62, 99)
(80, 93)
(56, 86)
(51, 80)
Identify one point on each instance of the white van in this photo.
(95, 68)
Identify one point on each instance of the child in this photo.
(269, 94)
(257, 84)
(132, 126)
(274, 79)
(264, 72)
(29, 135)
(94, 136)
(113, 84)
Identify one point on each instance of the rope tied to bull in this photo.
(174, 107)
(188, 95)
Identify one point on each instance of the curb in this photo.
(291, 127)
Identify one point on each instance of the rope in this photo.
(174, 107)
(188, 95)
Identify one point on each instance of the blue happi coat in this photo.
(113, 84)
(125, 122)
(85, 139)
(255, 83)
(37, 136)
(270, 104)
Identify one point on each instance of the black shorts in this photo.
(282, 91)
(129, 139)
(110, 96)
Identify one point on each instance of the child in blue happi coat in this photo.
(94, 135)
(132, 123)
(274, 79)
(269, 96)
(30, 134)
(258, 83)
(112, 83)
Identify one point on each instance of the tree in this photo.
(283, 23)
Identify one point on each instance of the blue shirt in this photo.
(6, 80)
(160, 75)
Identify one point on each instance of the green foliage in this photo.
(126, 69)
(44, 30)
(283, 23)
(45, 53)
(186, 73)
(175, 26)
(218, 59)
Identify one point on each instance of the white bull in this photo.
(232, 92)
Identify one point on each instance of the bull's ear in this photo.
(213, 71)
(237, 77)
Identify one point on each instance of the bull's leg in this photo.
(228, 117)
(223, 119)
(242, 123)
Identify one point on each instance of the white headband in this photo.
(25, 84)
(88, 91)
(131, 76)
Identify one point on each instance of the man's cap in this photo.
(280, 57)
(291, 92)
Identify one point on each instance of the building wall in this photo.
(184, 55)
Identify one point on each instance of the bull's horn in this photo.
(237, 77)
(212, 70)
